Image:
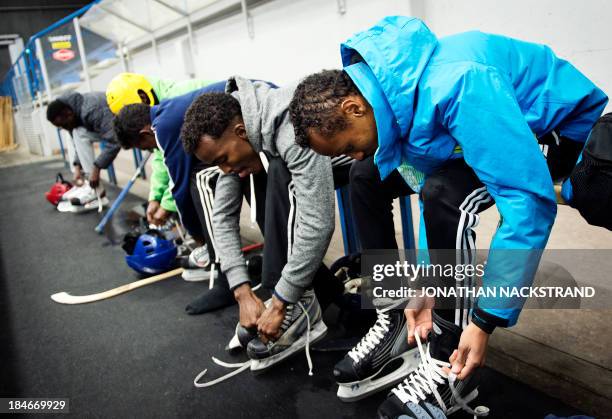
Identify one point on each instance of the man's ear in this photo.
(240, 131)
(353, 106)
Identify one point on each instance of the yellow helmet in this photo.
(123, 90)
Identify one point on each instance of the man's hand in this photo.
(418, 316)
(94, 177)
(471, 353)
(77, 177)
(161, 216)
(250, 305)
(151, 210)
(269, 323)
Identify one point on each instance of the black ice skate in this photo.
(381, 359)
(240, 340)
(301, 327)
(428, 392)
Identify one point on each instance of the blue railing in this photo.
(27, 60)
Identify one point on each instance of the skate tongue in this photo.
(443, 339)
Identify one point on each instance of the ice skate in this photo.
(301, 327)
(381, 359)
(71, 192)
(428, 392)
(84, 199)
(242, 335)
(95, 205)
(240, 340)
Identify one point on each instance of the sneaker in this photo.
(428, 392)
(301, 326)
(197, 266)
(380, 360)
(199, 258)
(199, 274)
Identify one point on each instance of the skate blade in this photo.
(351, 392)
(93, 205)
(65, 206)
(316, 333)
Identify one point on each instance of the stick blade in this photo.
(65, 298)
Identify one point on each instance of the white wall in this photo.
(579, 31)
(292, 38)
(296, 37)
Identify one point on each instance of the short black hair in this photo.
(210, 114)
(55, 108)
(130, 120)
(315, 104)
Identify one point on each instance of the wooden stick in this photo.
(65, 298)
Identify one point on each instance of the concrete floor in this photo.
(565, 353)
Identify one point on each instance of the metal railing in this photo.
(27, 79)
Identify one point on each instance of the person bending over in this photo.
(457, 120)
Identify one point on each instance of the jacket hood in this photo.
(397, 50)
(75, 101)
(263, 109)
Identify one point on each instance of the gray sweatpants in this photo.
(83, 140)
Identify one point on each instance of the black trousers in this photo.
(202, 187)
(280, 226)
(451, 198)
(276, 215)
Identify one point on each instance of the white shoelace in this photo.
(372, 338)
(211, 279)
(307, 349)
(425, 379)
(253, 203)
(99, 200)
(243, 366)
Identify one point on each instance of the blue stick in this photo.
(109, 214)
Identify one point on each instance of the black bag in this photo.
(591, 179)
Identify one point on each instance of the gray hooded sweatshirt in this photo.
(266, 118)
(93, 113)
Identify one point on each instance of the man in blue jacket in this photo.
(457, 120)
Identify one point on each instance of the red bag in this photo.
(59, 188)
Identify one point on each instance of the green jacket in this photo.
(160, 180)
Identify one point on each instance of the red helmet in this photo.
(59, 188)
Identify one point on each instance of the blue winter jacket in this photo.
(483, 98)
(167, 120)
